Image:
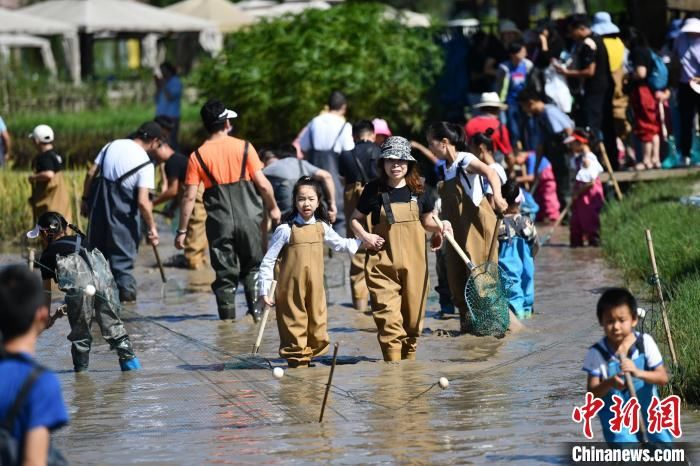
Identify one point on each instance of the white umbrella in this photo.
(226, 15)
(293, 8)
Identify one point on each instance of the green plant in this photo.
(278, 74)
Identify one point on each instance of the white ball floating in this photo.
(90, 290)
(443, 382)
(278, 372)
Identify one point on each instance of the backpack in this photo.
(658, 75)
(10, 453)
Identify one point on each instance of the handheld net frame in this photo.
(486, 292)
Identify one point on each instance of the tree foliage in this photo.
(278, 74)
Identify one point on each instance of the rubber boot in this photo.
(132, 364)
(251, 297)
(81, 360)
(465, 322)
(226, 303)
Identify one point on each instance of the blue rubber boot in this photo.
(132, 364)
(446, 310)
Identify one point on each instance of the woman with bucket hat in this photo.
(397, 272)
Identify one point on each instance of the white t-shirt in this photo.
(325, 129)
(595, 363)
(122, 156)
(587, 175)
(474, 188)
(498, 168)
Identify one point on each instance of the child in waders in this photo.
(49, 188)
(518, 245)
(546, 190)
(397, 265)
(91, 293)
(588, 196)
(482, 146)
(621, 351)
(297, 247)
(464, 204)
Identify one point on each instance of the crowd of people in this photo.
(544, 118)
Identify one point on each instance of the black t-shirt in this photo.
(370, 200)
(367, 154)
(61, 247)
(641, 56)
(49, 160)
(592, 50)
(176, 167)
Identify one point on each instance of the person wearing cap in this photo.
(323, 140)
(358, 167)
(231, 171)
(116, 191)
(91, 294)
(381, 131)
(490, 107)
(617, 52)
(588, 197)
(463, 202)
(396, 268)
(49, 188)
(687, 49)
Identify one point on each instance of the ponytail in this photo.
(483, 138)
(453, 132)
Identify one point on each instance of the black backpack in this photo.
(10, 453)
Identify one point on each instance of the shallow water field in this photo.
(201, 399)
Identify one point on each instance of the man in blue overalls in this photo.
(116, 196)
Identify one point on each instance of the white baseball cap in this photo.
(42, 133)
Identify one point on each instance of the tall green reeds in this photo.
(656, 206)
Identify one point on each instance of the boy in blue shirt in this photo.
(624, 350)
(23, 316)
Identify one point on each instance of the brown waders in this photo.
(473, 228)
(397, 278)
(196, 238)
(358, 286)
(301, 299)
(51, 196)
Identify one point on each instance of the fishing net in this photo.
(486, 294)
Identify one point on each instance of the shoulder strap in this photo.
(460, 171)
(244, 162)
(14, 410)
(311, 136)
(338, 136)
(205, 168)
(360, 168)
(302, 170)
(603, 352)
(639, 344)
(387, 208)
(126, 175)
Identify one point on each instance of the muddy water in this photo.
(198, 402)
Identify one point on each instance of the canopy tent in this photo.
(8, 41)
(15, 22)
(124, 17)
(226, 15)
(281, 9)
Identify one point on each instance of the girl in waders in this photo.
(464, 204)
(297, 246)
(396, 268)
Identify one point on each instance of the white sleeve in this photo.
(346, 141)
(267, 267)
(652, 353)
(305, 139)
(337, 242)
(101, 155)
(147, 177)
(466, 161)
(594, 364)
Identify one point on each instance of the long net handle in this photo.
(451, 239)
(659, 291)
(494, 238)
(633, 393)
(160, 264)
(609, 169)
(266, 313)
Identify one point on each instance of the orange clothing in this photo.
(223, 158)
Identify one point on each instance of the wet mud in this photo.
(202, 399)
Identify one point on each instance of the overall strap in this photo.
(311, 136)
(205, 168)
(639, 344)
(13, 412)
(603, 351)
(338, 136)
(302, 170)
(126, 175)
(361, 169)
(386, 203)
(244, 162)
(460, 171)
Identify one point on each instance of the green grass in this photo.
(655, 206)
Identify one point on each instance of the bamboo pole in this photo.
(659, 291)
